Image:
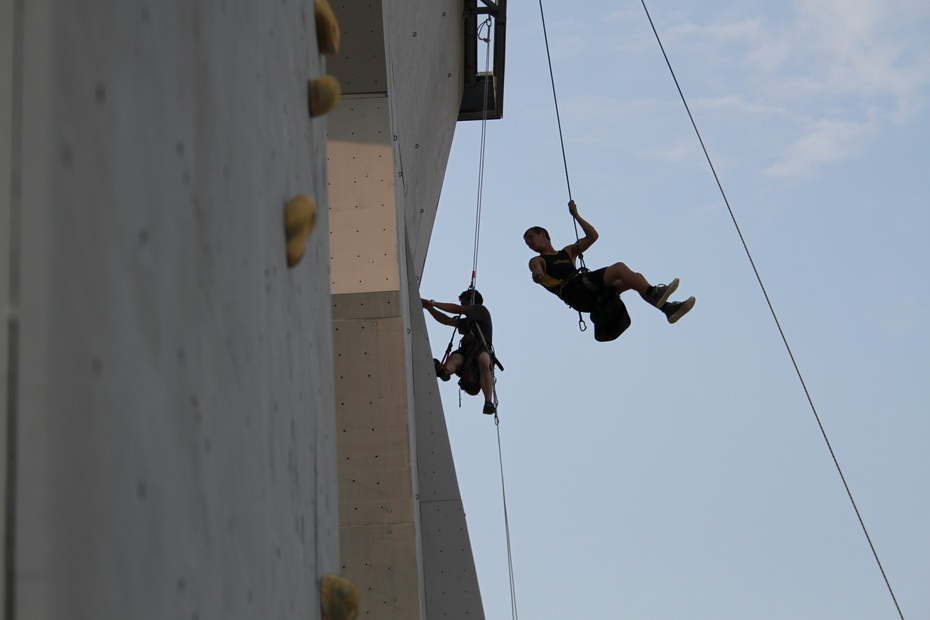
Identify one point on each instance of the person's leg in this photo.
(454, 362)
(622, 278)
(486, 380)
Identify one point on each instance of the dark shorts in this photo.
(580, 295)
(597, 276)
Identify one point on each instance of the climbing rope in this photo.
(558, 119)
(484, 130)
(500, 455)
(474, 271)
(582, 326)
(784, 338)
(484, 26)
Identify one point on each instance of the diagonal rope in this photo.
(797, 369)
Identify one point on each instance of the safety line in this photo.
(474, 272)
(775, 316)
(558, 118)
(500, 456)
(484, 127)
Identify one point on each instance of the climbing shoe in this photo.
(441, 371)
(659, 293)
(489, 408)
(674, 310)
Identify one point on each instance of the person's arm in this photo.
(590, 234)
(537, 269)
(433, 308)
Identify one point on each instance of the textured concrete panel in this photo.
(9, 64)
(376, 493)
(422, 65)
(360, 63)
(388, 576)
(389, 144)
(451, 582)
(425, 58)
(176, 441)
(450, 579)
(435, 468)
(362, 209)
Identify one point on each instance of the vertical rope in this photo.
(484, 127)
(558, 118)
(513, 590)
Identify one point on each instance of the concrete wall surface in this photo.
(409, 51)
(404, 539)
(170, 380)
(9, 40)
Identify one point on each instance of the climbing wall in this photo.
(404, 540)
(167, 385)
(7, 42)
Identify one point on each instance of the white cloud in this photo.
(681, 151)
(800, 84)
(833, 72)
(822, 142)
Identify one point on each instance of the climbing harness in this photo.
(784, 338)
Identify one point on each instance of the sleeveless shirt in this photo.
(558, 267)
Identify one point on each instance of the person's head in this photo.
(466, 297)
(537, 238)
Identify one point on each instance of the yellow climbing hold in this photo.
(327, 28)
(339, 598)
(299, 220)
(324, 93)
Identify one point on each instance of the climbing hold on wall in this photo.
(327, 28)
(338, 598)
(299, 220)
(324, 93)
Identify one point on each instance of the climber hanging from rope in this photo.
(472, 361)
(596, 291)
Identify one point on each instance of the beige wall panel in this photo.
(364, 252)
(363, 222)
(376, 475)
(388, 575)
(373, 305)
(404, 534)
(372, 423)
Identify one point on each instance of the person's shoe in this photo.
(674, 310)
(489, 408)
(441, 371)
(659, 293)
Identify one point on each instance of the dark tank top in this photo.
(559, 267)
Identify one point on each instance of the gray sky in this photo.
(679, 471)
